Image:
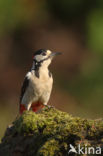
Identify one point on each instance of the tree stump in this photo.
(50, 133)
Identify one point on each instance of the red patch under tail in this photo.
(37, 106)
(22, 108)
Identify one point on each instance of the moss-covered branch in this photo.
(49, 133)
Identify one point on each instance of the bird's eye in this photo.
(44, 54)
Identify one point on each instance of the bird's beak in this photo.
(55, 54)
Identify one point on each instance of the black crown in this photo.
(40, 51)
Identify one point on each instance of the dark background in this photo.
(74, 28)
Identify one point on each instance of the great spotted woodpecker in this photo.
(38, 82)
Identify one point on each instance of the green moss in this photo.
(48, 148)
(29, 122)
(49, 133)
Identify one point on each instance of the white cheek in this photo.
(38, 57)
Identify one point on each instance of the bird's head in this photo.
(44, 57)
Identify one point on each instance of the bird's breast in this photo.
(43, 83)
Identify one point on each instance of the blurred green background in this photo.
(74, 28)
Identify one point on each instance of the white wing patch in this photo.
(28, 75)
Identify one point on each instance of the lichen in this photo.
(49, 133)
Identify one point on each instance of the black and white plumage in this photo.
(24, 87)
(38, 82)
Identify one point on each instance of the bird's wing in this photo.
(24, 87)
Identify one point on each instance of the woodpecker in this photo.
(37, 85)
